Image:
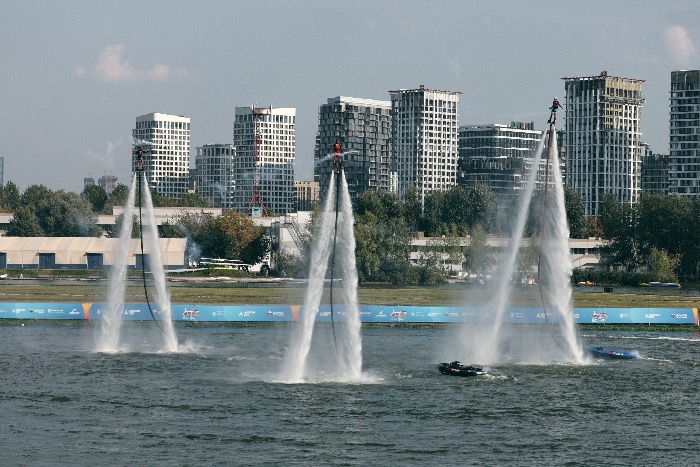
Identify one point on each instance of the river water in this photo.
(218, 401)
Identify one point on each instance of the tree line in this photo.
(657, 235)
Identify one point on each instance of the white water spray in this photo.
(111, 318)
(342, 362)
(492, 342)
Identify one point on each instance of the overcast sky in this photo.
(76, 74)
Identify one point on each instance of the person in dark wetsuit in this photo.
(553, 115)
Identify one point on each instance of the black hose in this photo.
(542, 235)
(143, 261)
(335, 237)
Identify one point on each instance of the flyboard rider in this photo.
(337, 155)
(553, 114)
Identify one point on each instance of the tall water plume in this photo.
(493, 342)
(111, 317)
(339, 359)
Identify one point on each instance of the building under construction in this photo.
(263, 167)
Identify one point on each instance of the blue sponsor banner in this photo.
(636, 315)
(245, 313)
(368, 314)
(42, 310)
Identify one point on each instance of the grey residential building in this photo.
(684, 155)
(497, 156)
(424, 125)
(654, 172)
(363, 127)
(214, 174)
(603, 138)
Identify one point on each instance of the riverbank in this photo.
(285, 293)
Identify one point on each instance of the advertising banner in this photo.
(368, 314)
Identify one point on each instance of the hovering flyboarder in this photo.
(553, 114)
(139, 163)
(337, 155)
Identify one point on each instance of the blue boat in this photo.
(673, 285)
(600, 352)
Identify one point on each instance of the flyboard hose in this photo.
(542, 236)
(143, 262)
(335, 237)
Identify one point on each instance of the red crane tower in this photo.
(257, 204)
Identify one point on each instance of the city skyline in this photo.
(77, 75)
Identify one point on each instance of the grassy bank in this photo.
(237, 293)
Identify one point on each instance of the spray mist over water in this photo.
(491, 342)
(111, 318)
(328, 363)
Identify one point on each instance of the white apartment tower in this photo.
(363, 127)
(684, 157)
(603, 139)
(165, 140)
(424, 130)
(263, 168)
(214, 174)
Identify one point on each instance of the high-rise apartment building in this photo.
(684, 157)
(424, 125)
(363, 127)
(603, 138)
(165, 141)
(263, 168)
(497, 156)
(214, 179)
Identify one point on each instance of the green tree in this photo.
(11, 197)
(619, 224)
(96, 196)
(192, 200)
(478, 255)
(483, 206)
(117, 197)
(575, 213)
(35, 195)
(662, 265)
(24, 224)
(65, 214)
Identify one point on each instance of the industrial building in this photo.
(263, 167)
(214, 180)
(82, 253)
(363, 127)
(424, 132)
(163, 142)
(603, 138)
(684, 157)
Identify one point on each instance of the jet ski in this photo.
(457, 369)
(600, 352)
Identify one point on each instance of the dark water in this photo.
(217, 403)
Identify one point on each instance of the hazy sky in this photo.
(74, 75)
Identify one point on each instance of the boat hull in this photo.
(457, 369)
(600, 352)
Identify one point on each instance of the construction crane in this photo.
(257, 204)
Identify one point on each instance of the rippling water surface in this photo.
(218, 401)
